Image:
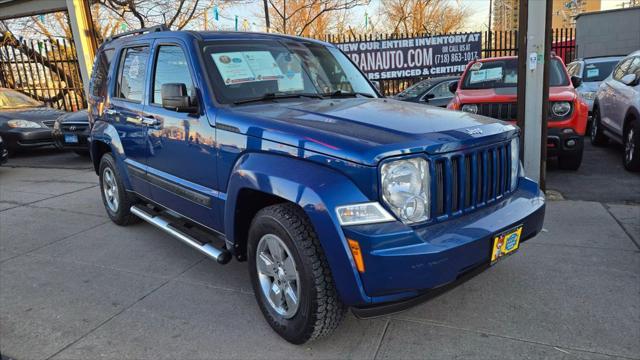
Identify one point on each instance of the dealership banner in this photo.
(429, 56)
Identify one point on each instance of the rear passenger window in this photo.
(133, 68)
(98, 84)
(171, 67)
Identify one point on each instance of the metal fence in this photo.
(494, 43)
(46, 70)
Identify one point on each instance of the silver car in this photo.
(592, 71)
(616, 110)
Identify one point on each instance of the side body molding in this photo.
(317, 190)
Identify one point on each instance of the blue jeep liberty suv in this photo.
(278, 151)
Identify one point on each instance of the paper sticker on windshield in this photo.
(593, 72)
(263, 65)
(485, 75)
(233, 67)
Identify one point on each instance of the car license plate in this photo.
(71, 138)
(505, 243)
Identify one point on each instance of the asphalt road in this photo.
(75, 286)
(601, 177)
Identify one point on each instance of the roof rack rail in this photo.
(150, 29)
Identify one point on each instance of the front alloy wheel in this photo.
(278, 276)
(290, 275)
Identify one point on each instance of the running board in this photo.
(222, 256)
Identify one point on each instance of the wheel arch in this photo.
(266, 179)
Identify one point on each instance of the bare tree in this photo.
(424, 16)
(308, 17)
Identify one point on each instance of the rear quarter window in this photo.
(131, 76)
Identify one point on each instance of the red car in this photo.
(489, 87)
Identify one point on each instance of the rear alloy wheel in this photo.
(290, 275)
(597, 135)
(117, 201)
(632, 146)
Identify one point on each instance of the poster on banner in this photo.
(428, 56)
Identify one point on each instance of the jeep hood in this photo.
(363, 130)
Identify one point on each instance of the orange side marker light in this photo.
(357, 254)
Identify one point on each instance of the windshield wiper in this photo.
(275, 96)
(340, 93)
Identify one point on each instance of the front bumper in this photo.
(27, 138)
(82, 136)
(561, 143)
(402, 262)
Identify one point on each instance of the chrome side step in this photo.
(222, 256)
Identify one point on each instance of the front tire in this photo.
(598, 138)
(632, 146)
(117, 201)
(290, 275)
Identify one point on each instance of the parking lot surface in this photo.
(75, 286)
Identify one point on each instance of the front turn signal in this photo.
(357, 254)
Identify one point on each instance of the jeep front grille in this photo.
(501, 111)
(465, 181)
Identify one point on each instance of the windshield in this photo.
(416, 89)
(10, 99)
(598, 71)
(246, 70)
(504, 73)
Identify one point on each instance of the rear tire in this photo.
(318, 310)
(117, 201)
(598, 138)
(631, 157)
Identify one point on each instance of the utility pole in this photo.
(489, 32)
(266, 15)
(534, 46)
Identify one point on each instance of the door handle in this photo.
(149, 121)
(110, 112)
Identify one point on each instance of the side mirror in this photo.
(576, 81)
(629, 79)
(428, 97)
(175, 97)
(453, 87)
(376, 84)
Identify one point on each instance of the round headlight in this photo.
(470, 108)
(561, 108)
(405, 188)
(22, 124)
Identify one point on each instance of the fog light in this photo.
(570, 143)
(567, 131)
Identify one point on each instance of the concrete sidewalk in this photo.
(75, 286)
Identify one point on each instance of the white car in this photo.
(616, 110)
